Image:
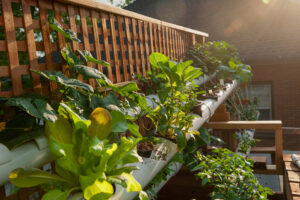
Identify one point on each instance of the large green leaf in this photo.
(35, 107)
(180, 67)
(89, 72)
(61, 130)
(89, 58)
(57, 195)
(67, 33)
(33, 177)
(95, 189)
(58, 77)
(190, 73)
(65, 155)
(45, 110)
(158, 59)
(119, 122)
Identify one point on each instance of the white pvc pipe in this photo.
(32, 154)
(147, 173)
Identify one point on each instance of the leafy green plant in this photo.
(84, 161)
(245, 141)
(172, 117)
(231, 175)
(219, 57)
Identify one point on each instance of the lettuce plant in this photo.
(82, 160)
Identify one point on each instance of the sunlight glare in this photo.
(266, 1)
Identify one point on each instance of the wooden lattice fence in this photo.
(123, 38)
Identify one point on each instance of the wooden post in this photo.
(278, 143)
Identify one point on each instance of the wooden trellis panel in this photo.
(122, 38)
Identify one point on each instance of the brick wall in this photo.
(285, 80)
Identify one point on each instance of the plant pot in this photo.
(144, 149)
(198, 108)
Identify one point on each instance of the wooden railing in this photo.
(258, 125)
(122, 38)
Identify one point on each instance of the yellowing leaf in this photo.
(132, 184)
(101, 122)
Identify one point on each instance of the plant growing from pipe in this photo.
(172, 117)
(86, 160)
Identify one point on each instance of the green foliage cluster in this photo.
(173, 82)
(82, 162)
(231, 175)
(219, 57)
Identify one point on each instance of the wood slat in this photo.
(293, 176)
(46, 34)
(11, 44)
(129, 46)
(164, 40)
(141, 38)
(31, 48)
(73, 27)
(85, 35)
(112, 20)
(290, 166)
(151, 37)
(155, 38)
(159, 39)
(147, 45)
(135, 46)
(57, 13)
(168, 42)
(104, 18)
(95, 16)
(103, 7)
(123, 47)
(263, 125)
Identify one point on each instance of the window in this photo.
(263, 93)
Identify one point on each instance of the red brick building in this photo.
(267, 35)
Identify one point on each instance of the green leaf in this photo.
(204, 136)
(190, 73)
(157, 60)
(129, 87)
(45, 110)
(35, 107)
(119, 122)
(95, 189)
(65, 156)
(69, 56)
(132, 184)
(180, 67)
(89, 72)
(67, 33)
(58, 77)
(124, 149)
(61, 130)
(33, 177)
(143, 195)
(89, 58)
(57, 195)
(180, 139)
(134, 129)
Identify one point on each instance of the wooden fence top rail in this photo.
(97, 5)
(274, 124)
